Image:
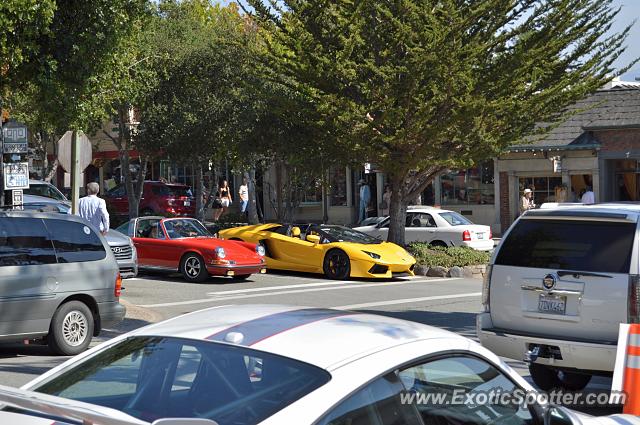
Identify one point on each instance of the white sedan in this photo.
(265, 364)
(438, 227)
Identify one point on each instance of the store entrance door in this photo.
(627, 180)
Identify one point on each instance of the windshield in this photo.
(171, 191)
(45, 190)
(185, 228)
(345, 234)
(455, 219)
(160, 377)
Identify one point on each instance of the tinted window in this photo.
(75, 242)
(590, 246)
(156, 377)
(45, 190)
(117, 191)
(420, 220)
(172, 191)
(24, 242)
(448, 387)
(379, 403)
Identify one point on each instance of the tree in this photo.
(22, 25)
(195, 112)
(417, 86)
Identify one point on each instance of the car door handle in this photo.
(551, 291)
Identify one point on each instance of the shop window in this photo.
(627, 180)
(313, 193)
(474, 186)
(338, 187)
(544, 188)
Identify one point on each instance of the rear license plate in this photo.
(480, 235)
(552, 304)
(187, 203)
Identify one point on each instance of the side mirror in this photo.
(313, 239)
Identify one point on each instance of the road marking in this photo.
(294, 291)
(270, 288)
(408, 300)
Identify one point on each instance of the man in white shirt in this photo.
(244, 195)
(589, 197)
(94, 209)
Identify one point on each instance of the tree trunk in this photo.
(197, 191)
(397, 210)
(279, 192)
(252, 209)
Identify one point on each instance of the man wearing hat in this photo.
(526, 202)
(365, 199)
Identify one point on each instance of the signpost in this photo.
(15, 174)
(17, 196)
(74, 154)
(15, 138)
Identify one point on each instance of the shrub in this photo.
(448, 257)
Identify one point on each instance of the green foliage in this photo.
(22, 24)
(416, 86)
(432, 256)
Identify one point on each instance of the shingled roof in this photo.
(615, 108)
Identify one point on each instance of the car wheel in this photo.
(337, 265)
(71, 329)
(438, 243)
(548, 378)
(573, 381)
(193, 268)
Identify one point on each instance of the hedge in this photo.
(448, 257)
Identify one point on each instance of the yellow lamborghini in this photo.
(337, 251)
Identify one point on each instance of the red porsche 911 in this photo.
(185, 245)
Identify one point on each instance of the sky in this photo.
(630, 11)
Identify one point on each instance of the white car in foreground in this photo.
(265, 364)
(436, 226)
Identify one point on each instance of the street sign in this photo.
(17, 196)
(15, 138)
(16, 175)
(64, 151)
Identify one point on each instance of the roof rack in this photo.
(77, 411)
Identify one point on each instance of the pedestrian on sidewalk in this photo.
(526, 202)
(365, 199)
(386, 201)
(243, 192)
(224, 193)
(94, 209)
(589, 197)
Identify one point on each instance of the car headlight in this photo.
(372, 255)
(220, 252)
(260, 250)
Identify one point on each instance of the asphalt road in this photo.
(446, 303)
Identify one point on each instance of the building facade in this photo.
(597, 147)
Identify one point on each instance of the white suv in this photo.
(559, 285)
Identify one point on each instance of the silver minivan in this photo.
(559, 285)
(59, 281)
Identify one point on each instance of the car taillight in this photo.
(486, 282)
(634, 298)
(490, 234)
(466, 236)
(118, 289)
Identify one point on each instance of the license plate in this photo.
(552, 304)
(187, 203)
(480, 235)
